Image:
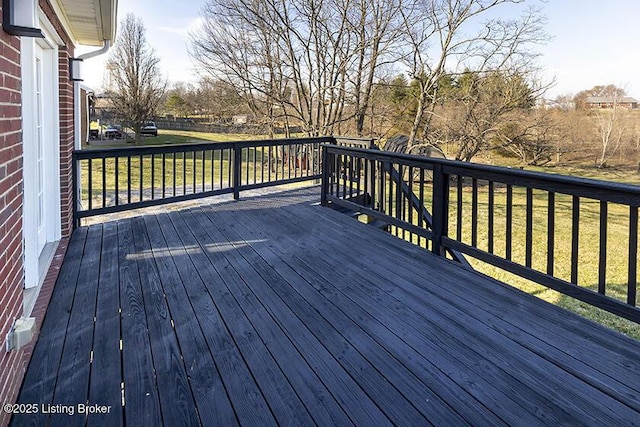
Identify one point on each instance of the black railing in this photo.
(114, 180)
(542, 227)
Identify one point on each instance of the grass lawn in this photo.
(617, 247)
(174, 137)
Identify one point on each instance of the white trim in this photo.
(62, 17)
(34, 261)
(50, 33)
(77, 126)
(29, 232)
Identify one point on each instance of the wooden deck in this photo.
(274, 310)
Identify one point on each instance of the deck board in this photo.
(474, 339)
(280, 396)
(105, 383)
(545, 332)
(142, 406)
(209, 394)
(74, 372)
(248, 402)
(40, 379)
(390, 330)
(176, 399)
(274, 310)
(309, 387)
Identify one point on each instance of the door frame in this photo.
(38, 257)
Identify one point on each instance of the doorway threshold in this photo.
(44, 262)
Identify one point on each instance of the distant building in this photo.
(240, 119)
(102, 107)
(611, 101)
(549, 104)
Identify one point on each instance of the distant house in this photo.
(240, 119)
(102, 107)
(611, 101)
(41, 124)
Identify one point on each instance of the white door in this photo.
(41, 156)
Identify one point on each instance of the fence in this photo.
(113, 180)
(539, 226)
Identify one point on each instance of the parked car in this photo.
(114, 132)
(150, 129)
(94, 130)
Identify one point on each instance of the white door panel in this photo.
(41, 142)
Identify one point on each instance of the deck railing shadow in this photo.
(446, 215)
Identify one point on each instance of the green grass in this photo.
(617, 247)
(174, 137)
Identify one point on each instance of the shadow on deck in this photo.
(274, 310)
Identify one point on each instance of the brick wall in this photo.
(11, 250)
(66, 141)
(13, 364)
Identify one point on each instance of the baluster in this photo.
(117, 182)
(575, 236)
(529, 229)
(490, 208)
(551, 230)
(474, 212)
(509, 226)
(633, 254)
(602, 256)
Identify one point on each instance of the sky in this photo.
(593, 42)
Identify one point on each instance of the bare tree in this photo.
(310, 62)
(610, 127)
(136, 84)
(479, 111)
(533, 136)
(441, 41)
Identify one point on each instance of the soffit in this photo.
(89, 21)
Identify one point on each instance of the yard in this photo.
(618, 241)
(173, 137)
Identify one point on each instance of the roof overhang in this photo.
(89, 22)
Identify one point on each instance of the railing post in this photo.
(75, 189)
(324, 165)
(371, 182)
(237, 171)
(440, 208)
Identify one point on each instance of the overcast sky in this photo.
(595, 42)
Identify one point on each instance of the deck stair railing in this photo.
(573, 235)
(358, 187)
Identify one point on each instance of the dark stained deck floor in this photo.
(274, 310)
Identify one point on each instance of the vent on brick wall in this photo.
(21, 333)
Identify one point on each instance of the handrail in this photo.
(613, 191)
(118, 179)
(503, 189)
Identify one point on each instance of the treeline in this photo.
(329, 65)
(475, 114)
(446, 73)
